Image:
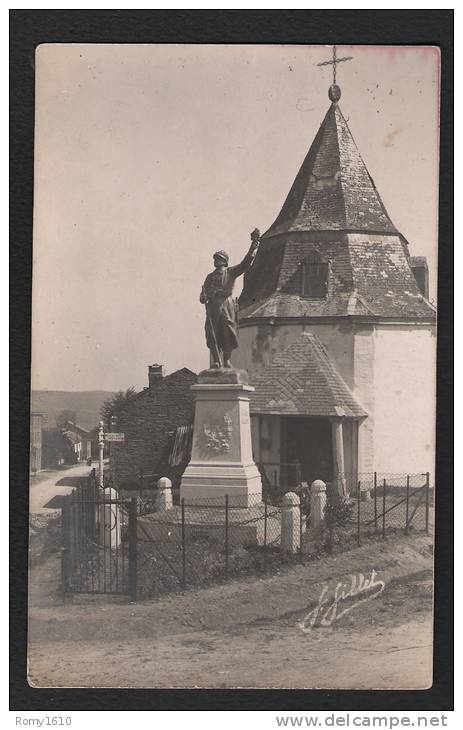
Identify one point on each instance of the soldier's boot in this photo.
(226, 359)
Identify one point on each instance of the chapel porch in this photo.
(305, 419)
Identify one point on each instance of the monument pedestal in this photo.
(221, 458)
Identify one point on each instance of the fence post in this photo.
(265, 532)
(427, 504)
(376, 500)
(265, 523)
(183, 546)
(226, 535)
(330, 538)
(65, 536)
(290, 536)
(301, 524)
(358, 513)
(407, 504)
(72, 535)
(384, 508)
(133, 549)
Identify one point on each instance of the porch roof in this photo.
(303, 381)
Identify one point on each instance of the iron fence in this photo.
(372, 505)
(129, 547)
(196, 543)
(98, 553)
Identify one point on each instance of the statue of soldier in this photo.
(221, 308)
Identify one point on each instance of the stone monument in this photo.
(221, 459)
(221, 473)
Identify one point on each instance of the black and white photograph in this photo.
(233, 370)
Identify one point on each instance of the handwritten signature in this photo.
(326, 612)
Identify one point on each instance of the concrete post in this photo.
(164, 494)
(317, 504)
(365, 494)
(110, 520)
(338, 457)
(290, 523)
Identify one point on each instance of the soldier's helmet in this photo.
(222, 255)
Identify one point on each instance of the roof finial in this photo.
(334, 91)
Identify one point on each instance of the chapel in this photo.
(336, 329)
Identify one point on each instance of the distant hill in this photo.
(85, 403)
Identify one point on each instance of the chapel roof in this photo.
(333, 189)
(302, 380)
(334, 209)
(369, 276)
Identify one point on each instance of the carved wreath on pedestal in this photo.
(217, 436)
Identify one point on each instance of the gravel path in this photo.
(245, 633)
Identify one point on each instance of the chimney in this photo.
(419, 266)
(155, 374)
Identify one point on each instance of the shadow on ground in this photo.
(69, 481)
(56, 502)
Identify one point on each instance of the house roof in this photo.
(71, 436)
(333, 189)
(70, 425)
(183, 374)
(303, 381)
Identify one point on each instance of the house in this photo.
(35, 450)
(57, 449)
(336, 330)
(81, 439)
(157, 424)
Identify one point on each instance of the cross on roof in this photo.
(335, 60)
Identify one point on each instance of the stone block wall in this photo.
(149, 423)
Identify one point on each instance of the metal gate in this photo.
(98, 553)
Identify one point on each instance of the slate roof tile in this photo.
(302, 380)
(333, 207)
(333, 189)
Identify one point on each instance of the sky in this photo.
(148, 158)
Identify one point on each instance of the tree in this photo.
(64, 417)
(114, 405)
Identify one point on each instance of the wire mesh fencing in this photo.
(198, 542)
(143, 549)
(364, 506)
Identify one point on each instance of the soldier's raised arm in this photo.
(245, 264)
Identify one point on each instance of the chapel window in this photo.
(314, 277)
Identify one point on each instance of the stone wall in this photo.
(149, 423)
(364, 391)
(405, 391)
(391, 370)
(258, 344)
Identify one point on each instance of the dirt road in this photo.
(246, 633)
(58, 483)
